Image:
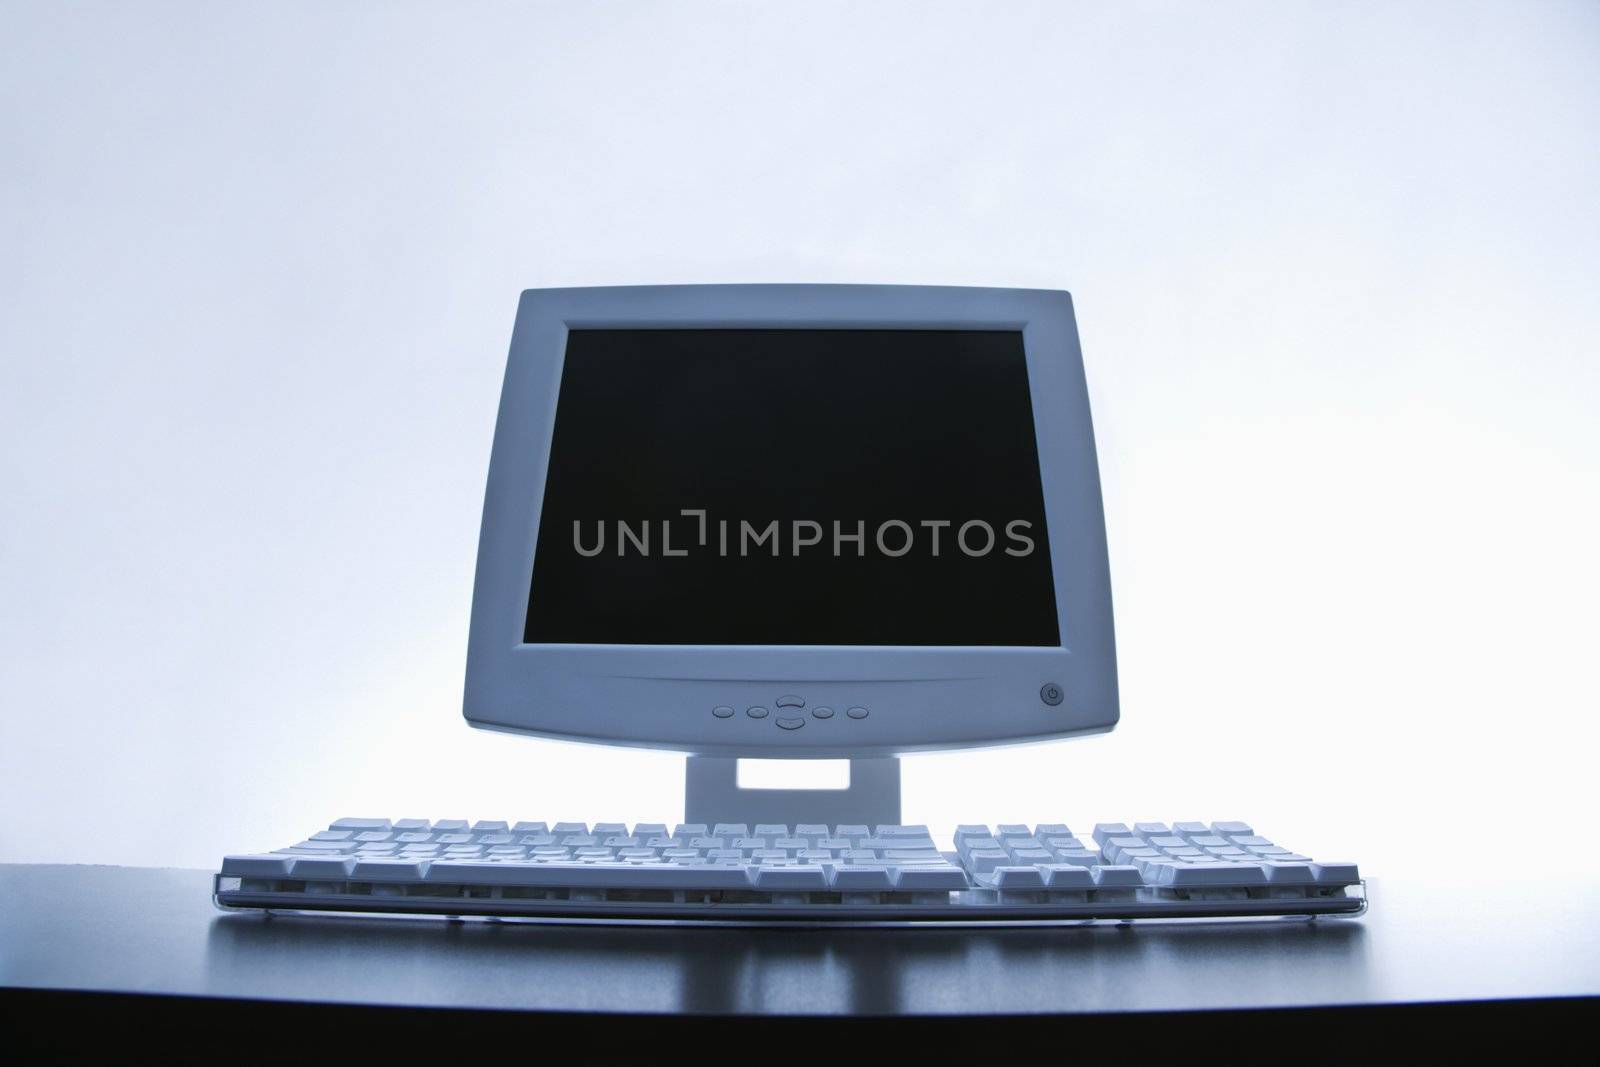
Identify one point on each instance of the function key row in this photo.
(1103, 831)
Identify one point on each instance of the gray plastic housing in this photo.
(916, 698)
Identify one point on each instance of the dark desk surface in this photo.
(138, 930)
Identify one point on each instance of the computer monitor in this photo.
(793, 521)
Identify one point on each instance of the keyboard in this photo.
(737, 872)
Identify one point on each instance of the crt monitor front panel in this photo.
(745, 424)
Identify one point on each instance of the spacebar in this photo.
(584, 875)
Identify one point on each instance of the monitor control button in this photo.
(857, 713)
(791, 723)
(822, 713)
(789, 700)
(756, 712)
(1051, 694)
(722, 711)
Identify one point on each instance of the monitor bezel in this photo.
(917, 697)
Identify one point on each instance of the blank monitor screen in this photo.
(793, 487)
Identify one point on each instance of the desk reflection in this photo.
(764, 970)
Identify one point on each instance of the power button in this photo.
(1051, 694)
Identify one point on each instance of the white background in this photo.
(1335, 270)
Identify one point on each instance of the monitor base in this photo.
(712, 795)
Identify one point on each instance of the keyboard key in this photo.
(915, 830)
(1014, 842)
(1188, 875)
(387, 870)
(323, 847)
(1017, 878)
(1080, 858)
(1289, 873)
(1067, 876)
(1027, 857)
(930, 878)
(1114, 847)
(896, 842)
(253, 866)
(359, 824)
(863, 879)
(1116, 875)
(984, 860)
(794, 878)
(316, 869)
(987, 844)
(1335, 874)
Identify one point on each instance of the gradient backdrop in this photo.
(1335, 268)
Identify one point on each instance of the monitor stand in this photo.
(712, 794)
